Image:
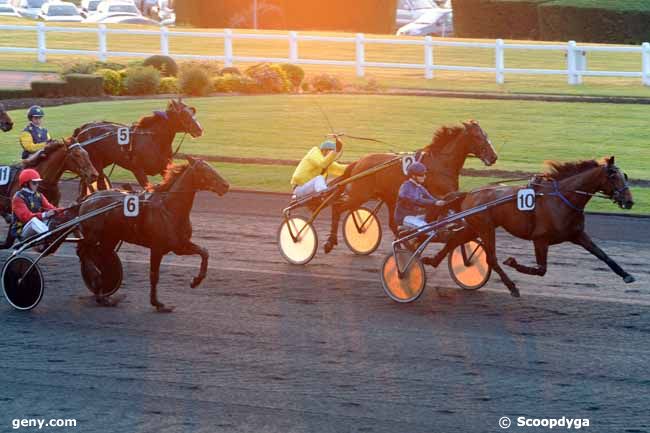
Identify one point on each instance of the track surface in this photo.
(262, 346)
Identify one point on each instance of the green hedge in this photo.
(84, 85)
(15, 93)
(610, 21)
(49, 89)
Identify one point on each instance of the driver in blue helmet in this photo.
(414, 200)
(34, 136)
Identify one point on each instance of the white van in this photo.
(410, 10)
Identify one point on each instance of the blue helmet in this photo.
(328, 145)
(35, 111)
(416, 169)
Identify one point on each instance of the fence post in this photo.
(499, 60)
(428, 57)
(101, 34)
(645, 63)
(572, 77)
(361, 54)
(164, 41)
(293, 47)
(227, 48)
(42, 53)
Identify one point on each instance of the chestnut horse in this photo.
(163, 224)
(558, 215)
(444, 159)
(150, 148)
(6, 124)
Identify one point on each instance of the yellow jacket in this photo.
(314, 164)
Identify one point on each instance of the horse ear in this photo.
(610, 160)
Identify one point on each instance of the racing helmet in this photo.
(35, 111)
(328, 145)
(416, 169)
(28, 175)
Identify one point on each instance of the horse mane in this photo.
(147, 121)
(443, 136)
(172, 173)
(561, 170)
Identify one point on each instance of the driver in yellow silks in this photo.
(311, 174)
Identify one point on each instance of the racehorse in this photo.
(5, 120)
(50, 162)
(163, 224)
(149, 150)
(444, 159)
(558, 215)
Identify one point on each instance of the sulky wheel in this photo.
(102, 273)
(22, 289)
(362, 231)
(297, 240)
(410, 286)
(468, 265)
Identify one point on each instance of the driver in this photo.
(311, 174)
(31, 209)
(34, 136)
(414, 200)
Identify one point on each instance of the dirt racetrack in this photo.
(263, 346)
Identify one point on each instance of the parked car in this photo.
(410, 10)
(7, 10)
(107, 8)
(129, 19)
(60, 12)
(437, 23)
(29, 8)
(90, 6)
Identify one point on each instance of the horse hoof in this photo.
(629, 279)
(329, 246)
(510, 261)
(195, 282)
(429, 261)
(163, 309)
(515, 292)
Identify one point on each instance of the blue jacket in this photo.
(413, 199)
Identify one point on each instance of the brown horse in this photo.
(150, 149)
(5, 120)
(558, 216)
(163, 224)
(444, 159)
(51, 162)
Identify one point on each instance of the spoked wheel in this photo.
(297, 240)
(23, 290)
(410, 286)
(101, 273)
(362, 231)
(468, 265)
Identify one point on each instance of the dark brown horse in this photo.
(163, 224)
(558, 215)
(5, 120)
(51, 162)
(150, 149)
(444, 158)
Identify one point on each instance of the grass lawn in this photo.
(525, 133)
(458, 56)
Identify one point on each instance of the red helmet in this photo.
(29, 174)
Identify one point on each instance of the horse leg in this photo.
(154, 273)
(489, 243)
(585, 242)
(141, 177)
(390, 205)
(541, 255)
(190, 249)
(337, 209)
(9, 241)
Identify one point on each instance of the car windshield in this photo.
(430, 18)
(5, 9)
(92, 6)
(123, 9)
(62, 11)
(35, 3)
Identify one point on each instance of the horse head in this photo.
(5, 120)
(615, 184)
(185, 116)
(479, 143)
(206, 178)
(78, 161)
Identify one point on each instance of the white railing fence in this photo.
(576, 55)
